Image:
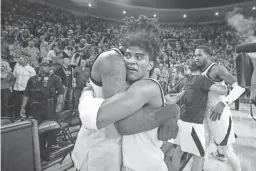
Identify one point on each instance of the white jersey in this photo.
(213, 98)
(141, 152)
(222, 130)
(98, 150)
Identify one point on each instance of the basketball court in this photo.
(245, 146)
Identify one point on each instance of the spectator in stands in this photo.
(4, 45)
(66, 75)
(33, 53)
(82, 74)
(76, 59)
(179, 80)
(164, 76)
(51, 55)
(7, 82)
(22, 72)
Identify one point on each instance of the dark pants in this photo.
(77, 94)
(68, 97)
(18, 96)
(6, 100)
(237, 104)
(42, 112)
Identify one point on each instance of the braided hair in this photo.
(143, 32)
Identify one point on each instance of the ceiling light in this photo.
(124, 12)
(154, 15)
(216, 13)
(254, 8)
(89, 5)
(184, 16)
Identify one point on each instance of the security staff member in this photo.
(42, 91)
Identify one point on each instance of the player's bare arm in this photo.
(147, 119)
(222, 73)
(174, 98)
(126, 103)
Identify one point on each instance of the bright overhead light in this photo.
(254, 8)
(124, 12)
(184, 16)
(216, 13)
(154, 15)
(89, 5)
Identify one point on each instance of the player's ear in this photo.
(151, 65)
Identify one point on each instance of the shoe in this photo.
(219, 156)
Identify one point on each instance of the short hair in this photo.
(180, 69)
(143, 32)
(205, 48)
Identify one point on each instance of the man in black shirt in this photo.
(67, 77)
(191, 137)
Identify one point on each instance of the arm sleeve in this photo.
(88, 109)
(206, 84)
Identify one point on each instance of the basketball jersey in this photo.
(141, 152)
(98, 150)
(213, 98)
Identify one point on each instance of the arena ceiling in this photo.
(180, 4)
(118, 9)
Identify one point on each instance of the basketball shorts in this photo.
(221, 130)
(190, 138)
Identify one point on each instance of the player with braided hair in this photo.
(125, 124)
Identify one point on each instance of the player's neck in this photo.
(206, 66)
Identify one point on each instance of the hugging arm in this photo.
(146, 119)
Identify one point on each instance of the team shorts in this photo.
(191, 138)
(221, 130)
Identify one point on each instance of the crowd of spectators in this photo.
(40, 31)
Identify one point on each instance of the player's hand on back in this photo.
(217, 111)
(168, 130)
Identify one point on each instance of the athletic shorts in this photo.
(221, 130)
(191, 138)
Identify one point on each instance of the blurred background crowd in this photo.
(31, 33)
